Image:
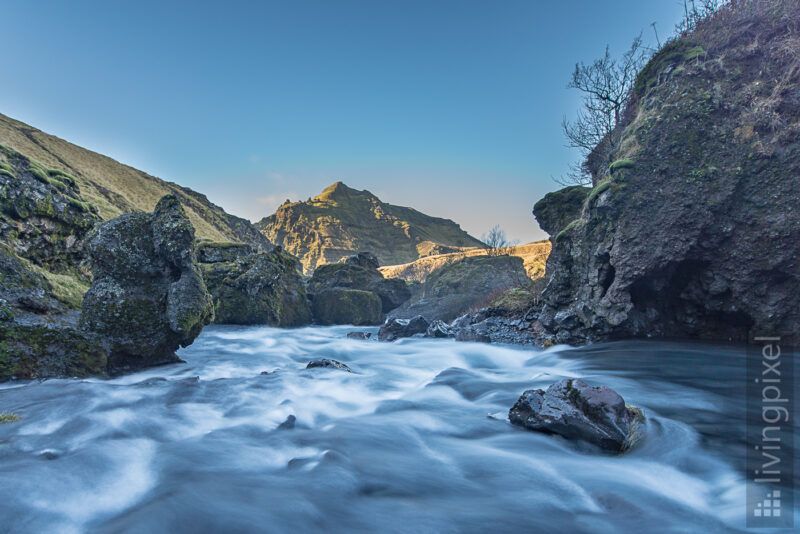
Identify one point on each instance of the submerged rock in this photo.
(254, 287)
(575, 410)
(147, 297)
(359, 335)
(396, 328)
(329, 364)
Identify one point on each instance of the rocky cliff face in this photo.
(694, 227)
(343, 221)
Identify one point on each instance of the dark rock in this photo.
(359, 335)
(347, 306)
(210, 252)
(148, 296)
(288, 424)
(573, 409)
(363, 259)
(329, 364)
(439, 329)
(474, 335)
(396, 328)
(452, 290)
(255, 287)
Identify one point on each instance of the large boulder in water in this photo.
(396, 328)
(254, 287)
(148, 297)
(575, 410)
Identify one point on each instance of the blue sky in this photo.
(451, 107)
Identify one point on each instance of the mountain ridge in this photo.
(342, 221)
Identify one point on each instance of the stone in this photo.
(575, 410)
(396, 328)
(359, 335)
(328, 364)
(147, 297)
(439, 329)
(363, 259)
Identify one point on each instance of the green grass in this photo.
(621, 164)
(8, 418)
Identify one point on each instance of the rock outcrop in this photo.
(38, 338)
(342, 221)
(573, 409)
(693, 229)
(148, 297)
(254, 287)
(452, 290)
(326, 363)
(358, 272)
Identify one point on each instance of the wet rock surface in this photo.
(396, 328)
(575, 410)
(328, 364)
(148, 297)
(359, 335)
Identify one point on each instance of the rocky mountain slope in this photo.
(694, 227)
(113, 188)
(342, 221)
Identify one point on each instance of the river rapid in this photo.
(416, 439)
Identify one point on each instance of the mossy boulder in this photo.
(556, 210)
(255, 287)
(360, 272)
(147, 297)
(347, 306)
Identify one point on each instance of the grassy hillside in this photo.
(113, 188)
(534, 255)
(342, 221)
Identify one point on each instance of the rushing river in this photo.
(414, 440)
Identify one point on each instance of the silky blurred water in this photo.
(414, 440)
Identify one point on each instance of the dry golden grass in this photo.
(534, 256)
